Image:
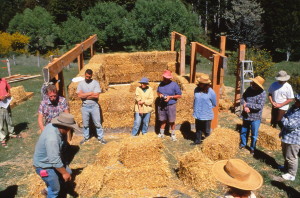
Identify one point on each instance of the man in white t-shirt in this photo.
(280, 95)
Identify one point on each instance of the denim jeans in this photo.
(53, 181)
(91, 110)
(138, 119)
(202, 126)
(6, 127)
(247, 126)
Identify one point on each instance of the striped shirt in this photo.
(291, 126)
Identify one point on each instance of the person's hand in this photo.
(161, 95)
(247, 110)
(2, 97)
(67, 177)
(140, 102)
(168, 98)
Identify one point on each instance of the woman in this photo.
(143, 107)
(240, 178)
(204, 102)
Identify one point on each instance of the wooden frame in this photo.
(177, 36)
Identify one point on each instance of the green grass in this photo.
(16, 161)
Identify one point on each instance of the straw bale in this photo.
(224, 104)
(268, 138)
(195, 170)
(221, 144)
(18, 93)
(34, 185)
(109, 155)
(90, 181)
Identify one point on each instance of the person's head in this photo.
(257, 83)
(88, 75)
(167, 76)
(282, 77)
(297, 100)
(203, 82)
(52, 93)
(237, 174)
(144, 83)
(65, 122)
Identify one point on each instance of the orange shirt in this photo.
(4, 87)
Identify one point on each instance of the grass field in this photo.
(16, 160)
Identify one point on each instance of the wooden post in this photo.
(172, 41)
(61, 84)
(8, 67)
(80, 62)
(216, 88)
(237, 98)
(92, 50)
(222, 51)
(182, 55)
(193, 62)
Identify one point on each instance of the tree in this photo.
(244, 23)
(12, 43)
(8, 9)
(39, 25)
(151, 22)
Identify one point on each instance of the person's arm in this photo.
(40, 121)
(149, 100)
(271, 100)
(83, 95)
(64, 173)
(278, 105)
(93, 95)
(259, 105)
(213, 98)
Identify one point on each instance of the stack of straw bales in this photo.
(19, 95)
(132, 164)
(268, 138)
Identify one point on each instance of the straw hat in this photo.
(259, 81)
(238, 174)
(65, 119)
(204, 79)
(144, 80)
(167, 74)
(282, 76)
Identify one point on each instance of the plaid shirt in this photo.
(51, 111)
(255, 102)
(291, 126)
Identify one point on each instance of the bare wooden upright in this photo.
(177, 36)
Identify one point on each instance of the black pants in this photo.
(202, 126)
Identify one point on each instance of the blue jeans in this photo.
(247, 125)
(138, 119)
(53, 181)
(91, 110)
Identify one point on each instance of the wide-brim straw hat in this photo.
(65, 119)
(238, 174)
(282, 76)
(204, 79)
(167, 74)
(259, 81)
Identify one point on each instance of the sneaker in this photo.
(161, 135)
(102, 141)
(173, 138)
(288, 177)
(83, 141)
(252, 152)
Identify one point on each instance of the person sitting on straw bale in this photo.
(280, 95)
(143, 106)
(6, 126)
(253, 101)
(204, 101)
(48, 157)
(168, 92)
(88, 90)
(240, 178)
(290, 135)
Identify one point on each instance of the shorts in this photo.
(167, 113)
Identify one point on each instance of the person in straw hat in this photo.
(253, 101)
(48, 159)
(168, 92)
(238, 176)
(204, 101)
(290, 134)
(280, 95)
(142, 107)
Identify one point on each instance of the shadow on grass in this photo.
(70, 186)
(21, 127)
(70, 153)
(291, 192)
(9, 192)
(267, 159)
(186, 131)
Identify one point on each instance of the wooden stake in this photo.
(193, 63)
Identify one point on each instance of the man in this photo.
(253, 101)
(280, 95)
(290, 135)
(168, 92)
(88, 90)
(6, 127)
(51, 106)
(48, 157)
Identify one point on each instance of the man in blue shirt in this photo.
(290, 134)
(47, 158)
(168, 93)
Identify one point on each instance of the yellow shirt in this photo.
(146, 97)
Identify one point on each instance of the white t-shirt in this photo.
(280, 93)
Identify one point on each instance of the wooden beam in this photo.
(172, 41)
(193, 63)
(237, 97)
(222, 51)
(80, 62)
(182, 56)
(61, 84)
(216, 88)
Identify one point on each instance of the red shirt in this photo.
(4, 87)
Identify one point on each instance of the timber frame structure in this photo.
(219, 64)
(177, 36)
(55, 68)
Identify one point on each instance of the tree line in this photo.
(131, 25)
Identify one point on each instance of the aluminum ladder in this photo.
(246, 73)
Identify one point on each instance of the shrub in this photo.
(295, 82)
